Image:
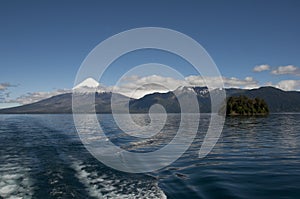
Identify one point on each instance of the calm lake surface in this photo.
(43, 157)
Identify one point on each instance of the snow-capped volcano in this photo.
(89, 85)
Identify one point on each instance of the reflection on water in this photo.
(42, 157)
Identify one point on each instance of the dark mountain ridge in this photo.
(277, 100)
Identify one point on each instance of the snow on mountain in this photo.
(89, 85)
(202, 91)
(89, 82)
(183, 90)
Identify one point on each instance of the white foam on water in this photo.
(14, 180)
(104, 186)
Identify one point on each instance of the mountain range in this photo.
(277, 100)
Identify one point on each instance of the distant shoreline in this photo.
(277, 100)
(274, 113)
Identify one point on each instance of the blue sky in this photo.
(43, 43)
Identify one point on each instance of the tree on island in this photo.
(242, 105)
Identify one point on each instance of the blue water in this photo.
(43, 157)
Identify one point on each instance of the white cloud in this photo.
(280, 70)
(289, 85)
(4, 93)
(136, 87)
(37, 96)
(286, 85)
(289, 69)
(5, 86)
(261, 68)
(248, 82)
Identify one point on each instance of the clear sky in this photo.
(43, 43)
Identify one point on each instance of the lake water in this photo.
(43, 157)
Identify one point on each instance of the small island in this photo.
(244, 106)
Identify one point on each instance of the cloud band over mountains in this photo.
(137, 87)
